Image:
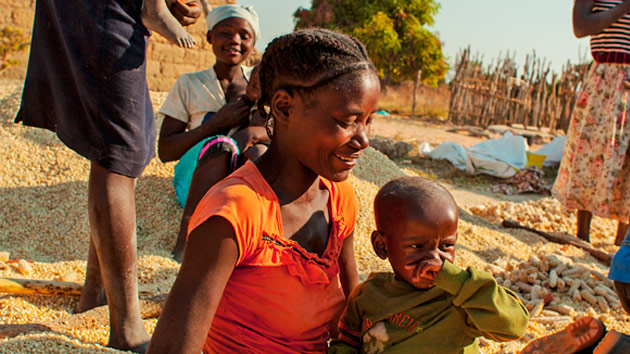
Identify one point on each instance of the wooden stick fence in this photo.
(498, 95)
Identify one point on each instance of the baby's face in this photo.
(419, 243)
(253, 88)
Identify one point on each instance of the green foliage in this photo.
(392, 30)
(11, 41)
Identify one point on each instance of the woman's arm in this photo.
(211, 254)
(586, 22)
(174, 140)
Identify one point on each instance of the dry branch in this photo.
(563, 240)
(39, 287)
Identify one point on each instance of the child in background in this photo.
(156, 16)
(199, 96)
(204, 108)
(427, 305)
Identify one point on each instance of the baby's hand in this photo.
(188, 12)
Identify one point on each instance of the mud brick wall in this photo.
(166, 62)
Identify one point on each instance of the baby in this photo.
(427, 305)
(157, 16)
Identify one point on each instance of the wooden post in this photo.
(415, 93)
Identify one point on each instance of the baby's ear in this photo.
(379, 244)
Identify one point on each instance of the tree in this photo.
(11, 41)
(392, 30)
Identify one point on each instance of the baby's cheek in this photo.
(450, 256)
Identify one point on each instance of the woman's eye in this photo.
(448, 246)
(347, 123)
(417, 247)
(344, 124)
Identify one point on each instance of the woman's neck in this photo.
(287, 181)
(227, 72)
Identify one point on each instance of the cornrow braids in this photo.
(295, 60)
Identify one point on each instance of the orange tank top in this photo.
(280, 298)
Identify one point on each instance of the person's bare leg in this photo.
(204, 177)
(157, 17)
(93, 292)
(584, 224)
(623, 292)
(112, 214)
(622, 228)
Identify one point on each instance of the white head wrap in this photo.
(223, 12)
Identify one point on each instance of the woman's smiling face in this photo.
(232, 40)
(329, 127)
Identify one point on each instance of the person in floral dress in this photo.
(594, 175)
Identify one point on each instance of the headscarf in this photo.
(223, 12)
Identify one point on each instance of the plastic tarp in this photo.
(452, 152)
(553, 151)
(497, 157)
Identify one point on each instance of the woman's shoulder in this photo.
(203, 75)
(239, 198)
(341, 192)
(246, 183)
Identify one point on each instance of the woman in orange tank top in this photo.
(269, 259)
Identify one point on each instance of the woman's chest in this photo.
(310, 229)
(308, 224)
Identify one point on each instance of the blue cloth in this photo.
(183, 171)
(620, 265)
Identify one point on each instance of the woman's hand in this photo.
(187, 13)
(232, 114)
(175, 140)
(587, 23)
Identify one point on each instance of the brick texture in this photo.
(166, 62)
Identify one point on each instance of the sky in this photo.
(490, 27)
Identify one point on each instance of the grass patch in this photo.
(432, 102)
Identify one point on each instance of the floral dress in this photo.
(594, 174)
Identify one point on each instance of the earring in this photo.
(269, 126)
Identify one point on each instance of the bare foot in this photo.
(135, 338)
(91, 297)
(180, 244)
(577, 336)
(157, 17)
(178, 254)
(613, 343)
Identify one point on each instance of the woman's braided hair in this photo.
(300, 57)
